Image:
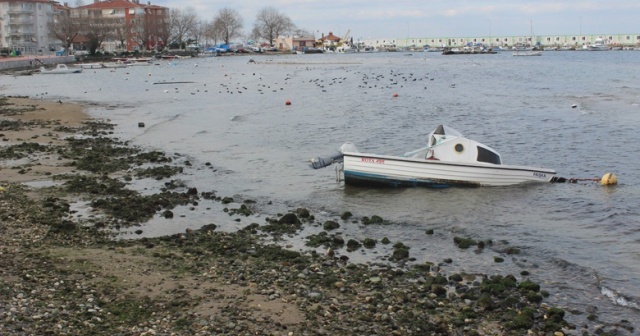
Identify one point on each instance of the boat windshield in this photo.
(442, 133)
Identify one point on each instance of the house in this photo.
(295, 43)
(330, 42)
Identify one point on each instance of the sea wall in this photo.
(30, 61)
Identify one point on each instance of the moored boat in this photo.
(90, 65)
(527, 53)
(450, 159)
(114, 65)
(60, 69)
(598, 45)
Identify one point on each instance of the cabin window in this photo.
(485, 155)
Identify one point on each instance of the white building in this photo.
(544, 40)
(24, 25)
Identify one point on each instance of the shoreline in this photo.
(204, 281)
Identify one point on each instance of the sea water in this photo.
(575, 112)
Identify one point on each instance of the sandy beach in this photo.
(64, 274)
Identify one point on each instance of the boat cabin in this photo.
(447, 144)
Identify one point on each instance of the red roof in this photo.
(58, 6)
(111, 4)
(330, 37)
(42, 1)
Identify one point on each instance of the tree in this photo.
(97, 30)
(198, 32)
(302, 32)
(270, 24)
(142, 31)
(211, 33)
(182, 23)
(122, 34)
(65, 28)
(228, 23)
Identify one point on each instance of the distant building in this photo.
(132, 26)
(24, 25)
(330, 41)
(507, 41)
(294, 43)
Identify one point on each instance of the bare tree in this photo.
(142, 31)
(211, 33)
(198, 32)
(270, 24)
(228, 23)
(302, 32)
(182, 22)
(122, 34)
(65, 28)
(97, 30)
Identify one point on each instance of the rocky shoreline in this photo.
(68, 274)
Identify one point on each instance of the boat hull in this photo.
(393, 171)
(90, 66)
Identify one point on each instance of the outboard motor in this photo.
(324, 161)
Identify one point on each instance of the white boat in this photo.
(527, 53)
(598, 45)
(60, 69)
(449, 160)
(134, 61)
(114, 65)
(138, 62)
(90, 65)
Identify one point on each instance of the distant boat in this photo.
(113, 65)
(474, 50)
(90, 65)
(60, 69)
(598, 45)
(310, 51)
(527, 53)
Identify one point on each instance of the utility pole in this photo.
(490, 42)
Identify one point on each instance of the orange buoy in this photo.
(288, 102)
(395, 95)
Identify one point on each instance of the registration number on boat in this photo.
(372, 160)
(540, 175)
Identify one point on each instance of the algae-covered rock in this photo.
(330, 225)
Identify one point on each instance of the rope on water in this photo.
(607, 179)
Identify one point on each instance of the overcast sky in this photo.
(427, 18)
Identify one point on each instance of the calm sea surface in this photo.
(581, 241)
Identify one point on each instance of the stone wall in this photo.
(8, 63)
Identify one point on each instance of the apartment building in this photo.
(130, 24)
(24, 25)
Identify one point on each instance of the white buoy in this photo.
(609, 179)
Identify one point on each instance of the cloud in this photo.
(384, 18)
